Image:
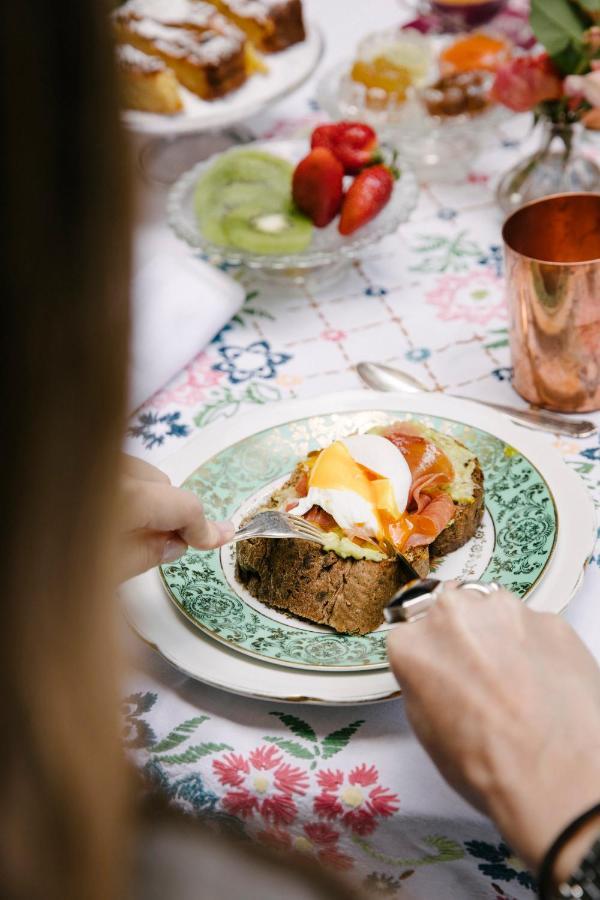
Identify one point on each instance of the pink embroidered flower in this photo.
(315, 839)
(191, 385)
(355, 799)
(261, 783)
(478, 178)
(333, 334)
(476, 297)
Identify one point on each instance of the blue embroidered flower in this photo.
(314, 104)
(592, 453)
(500, 863)
(505, 373)
(153, 429)
(446, 214)
(189, 791)
(418, 354)
(373, 291)
(510, 142)
(220, 335)
(257, 360)
(494, 259)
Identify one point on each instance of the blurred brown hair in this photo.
(63, 280)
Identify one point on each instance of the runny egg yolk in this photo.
(335, 469)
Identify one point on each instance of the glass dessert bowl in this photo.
(438, 111)
(326, 253)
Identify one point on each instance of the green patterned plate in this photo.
(513, 545)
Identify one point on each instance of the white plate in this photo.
(287, 71)
(154, 617)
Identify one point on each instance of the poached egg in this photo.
(362, 481)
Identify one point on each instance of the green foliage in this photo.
(337, 740)
(559, 25)
(178, 735)
(193, 754)
(291, 747)
(297, 726)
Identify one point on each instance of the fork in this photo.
(275, 524)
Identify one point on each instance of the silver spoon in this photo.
(385, 378)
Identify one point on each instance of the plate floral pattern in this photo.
(518, 501)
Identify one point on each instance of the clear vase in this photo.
(557, 167)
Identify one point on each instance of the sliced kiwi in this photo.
(249, 167)
(258, 230)
(230, 199)
(244, 201)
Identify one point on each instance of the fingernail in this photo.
(173, 549)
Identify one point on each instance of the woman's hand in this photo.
(507, 703)
(158, 521)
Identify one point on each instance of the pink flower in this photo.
(476, 297)
(191, 386)
(356, 800)
(333, 334)
(525, 81)
(262, 784)
(316, 839)
(586, 86)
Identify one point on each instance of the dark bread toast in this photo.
(349, 595)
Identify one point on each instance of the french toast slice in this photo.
(146, 83)
(271, 25)
(205, 51)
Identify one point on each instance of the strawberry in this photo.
(353, 143)
(366, 197)
(317, 186)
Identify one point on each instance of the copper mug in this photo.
(552, 251)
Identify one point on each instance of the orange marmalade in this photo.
(475, 52)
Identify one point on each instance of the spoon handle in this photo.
(540, 419)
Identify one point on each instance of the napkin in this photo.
(179, 303)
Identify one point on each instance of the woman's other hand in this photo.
(159, 521)
(507, 703)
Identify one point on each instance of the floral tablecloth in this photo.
(350, 787)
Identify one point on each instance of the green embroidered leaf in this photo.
(447, 851)
(559, 26)
(251, 295)
(216, 411)
(291, 747)
(192, 754)
(497, 344)
(297, 726)
(339, 739)
(262, 393)
(178, 735)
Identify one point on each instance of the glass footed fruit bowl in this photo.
(327, 248)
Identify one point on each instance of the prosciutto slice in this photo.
(430, 509)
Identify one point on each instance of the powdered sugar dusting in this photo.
(132, 58)
(209, 47)
(181, 13)
(254, 9)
